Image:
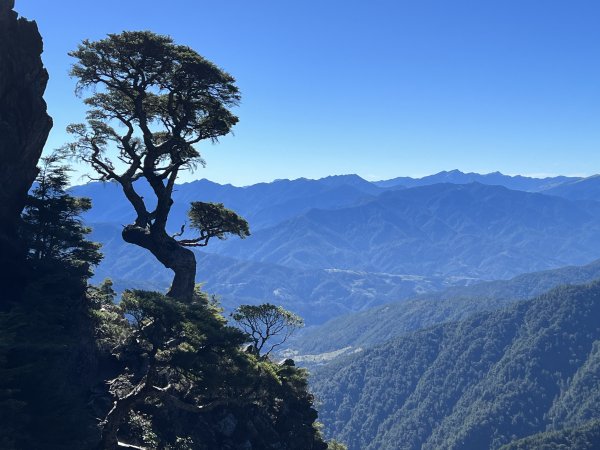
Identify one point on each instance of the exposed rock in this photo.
(24, 124)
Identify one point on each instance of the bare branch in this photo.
(180, 233)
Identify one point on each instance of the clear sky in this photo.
(378, 88)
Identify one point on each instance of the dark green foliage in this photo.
(179, 378)
(585, 437)
(478, 383)
(46, 339)
(51, 355)
(213, 220)
(183, 341)
(166, 96)
(184, 378)
(12, 407)
(579, 401)
(184, 92)
(110, 326)
(52, 228)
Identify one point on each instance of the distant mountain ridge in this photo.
(367, 237)
(471, 230)
(579, 189)
(255, 203)
(517, 182)
(302, 194)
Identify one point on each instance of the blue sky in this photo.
(377, 88)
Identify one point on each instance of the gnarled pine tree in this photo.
(153, 101)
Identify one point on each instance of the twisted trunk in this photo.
(118, 415)
(173, 256)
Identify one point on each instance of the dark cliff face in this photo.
(24, 123)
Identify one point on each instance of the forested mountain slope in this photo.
(341, 244)
(585, 437)
(479, 383)
(357, 331)
(474, 230)
(316, 294)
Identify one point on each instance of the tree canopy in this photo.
(185, 374)
(213, 220)
(152, 102)
(52, 227)
(265, 324)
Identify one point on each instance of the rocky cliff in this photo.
(24, 123)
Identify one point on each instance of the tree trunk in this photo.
(167, 250)
(118, 414)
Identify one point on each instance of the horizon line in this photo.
(374, 179)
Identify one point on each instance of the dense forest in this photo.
(585, 437)
(353, 331)
(478, 383)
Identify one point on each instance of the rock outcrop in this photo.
(24, 125)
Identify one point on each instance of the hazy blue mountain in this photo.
(475, 384)
(317, 295)
(263, 204)
(268, 203)
(353, 331)
(517, 182)
(579, 189)
(287, 198)
(472, 230)
(364, 247)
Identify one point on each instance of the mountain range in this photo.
(327, 247)
(471, 230)
(421, 334)
(315, 294)
(517, 182)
